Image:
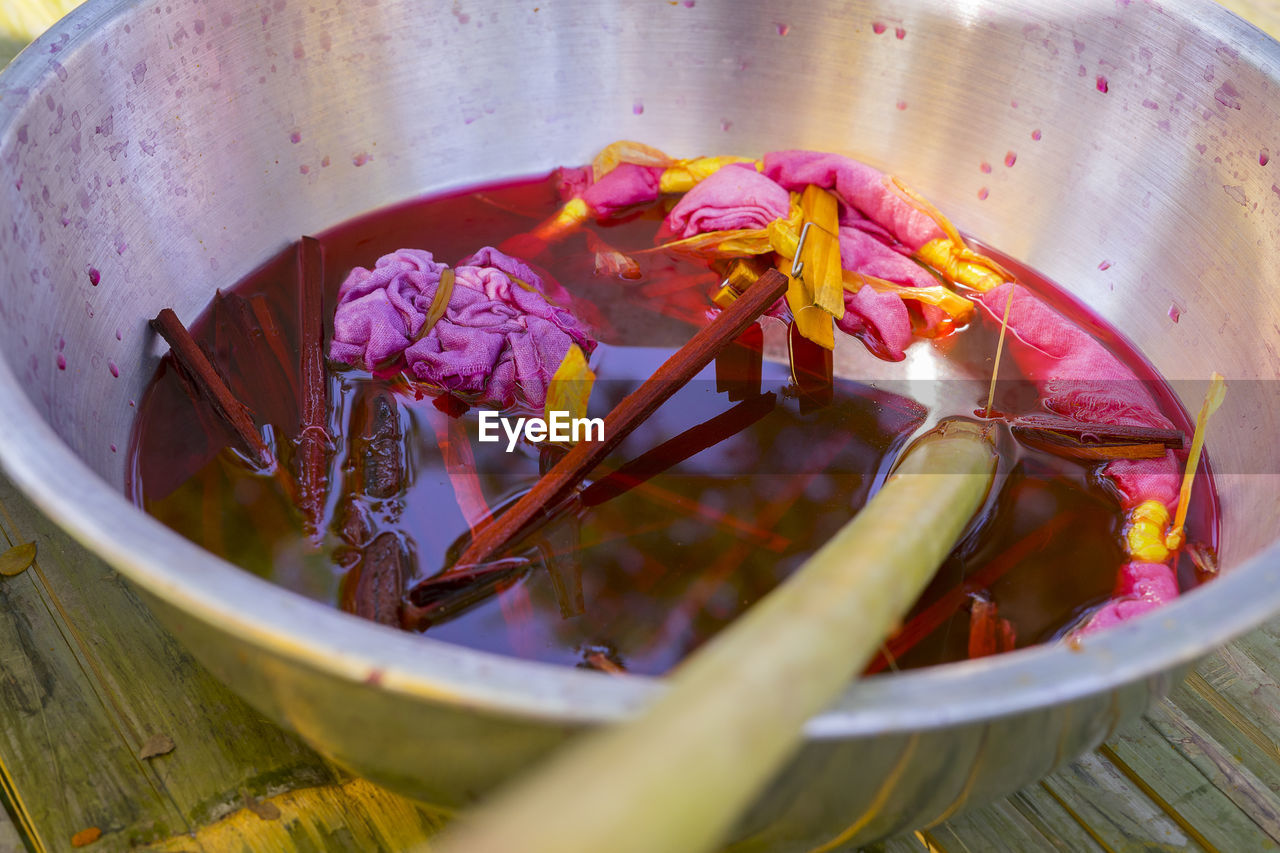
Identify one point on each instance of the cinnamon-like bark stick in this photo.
(192, 360)
(313, 437)
(444, 596)
(381, 443)
(374, 586)
(253, 349)
(380, 581)
(630, 413)
(1076, 440)
(988, 633)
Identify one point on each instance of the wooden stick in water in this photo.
(1077, 440)
(313, 436)
(675, 778)
(192, 361)
(682, 366)
(374, 586)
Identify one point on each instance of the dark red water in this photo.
(648, 575)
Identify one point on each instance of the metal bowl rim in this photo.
(318, 637)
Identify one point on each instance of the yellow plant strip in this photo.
(957, 307)
(811, 321)
(627, 151)
(681, 176)
(951, 257)
(570, 387)
(1212, 400)
(821, 253)
(995, 367)
(1144, 536)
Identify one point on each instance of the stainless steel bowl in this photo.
(173, 145)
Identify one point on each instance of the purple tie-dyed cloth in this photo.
(499, 341)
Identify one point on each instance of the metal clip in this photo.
(740, 275)
(797, 265)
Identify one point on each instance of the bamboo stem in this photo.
(677, 777)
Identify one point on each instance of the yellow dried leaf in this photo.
(821, 251)
(85, 837)
(957, 307)
(683, 175)
(570, 388)
(17, 559)
(1212, 400)
(627, 151)
(264, 809)
(156, 745)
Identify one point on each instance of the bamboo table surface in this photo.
(88, 679)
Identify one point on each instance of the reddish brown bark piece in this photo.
(252, 345)
(445, 595)
(85, 837)
(381, 443)
(1076, 440)
(313, 437)
(379, 581)
(812, 368)
(600, 661)
(988, 633)
(195, 365)
(374, 586)
(739, 367)
(682, 366)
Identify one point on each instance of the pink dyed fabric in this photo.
(879, 320)
(1079, 379)
(735, 196)
(1141, 587)
(627, 185)
(865, 250)
(499, 342)
(738, 196)
(572, 181)
(858, 185)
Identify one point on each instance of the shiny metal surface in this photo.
(173, 145)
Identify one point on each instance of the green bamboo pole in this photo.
(675, 778)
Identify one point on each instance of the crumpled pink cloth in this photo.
(1141, 587)
(879, 320)
(625, 186)
(500, 340)
(739, 196)
(858, 185)
(735, 196)
(1079, 379)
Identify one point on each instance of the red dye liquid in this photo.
(643, 575)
